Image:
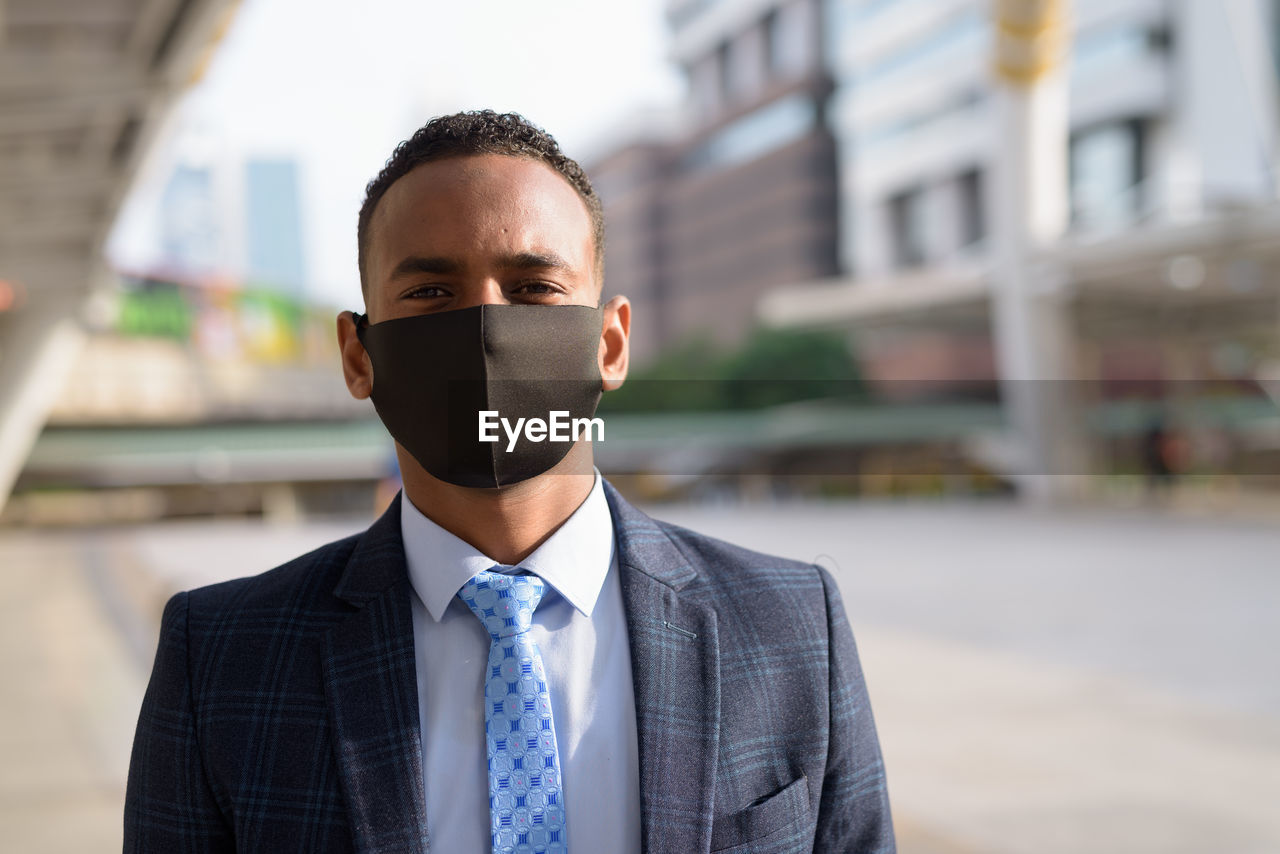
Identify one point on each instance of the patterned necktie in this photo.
(526, 802)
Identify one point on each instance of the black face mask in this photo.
(434, 374)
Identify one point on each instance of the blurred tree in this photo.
(770, 368)
(776, 366)
(683, 378)
(154, 309)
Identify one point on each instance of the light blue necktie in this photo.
(526, 801)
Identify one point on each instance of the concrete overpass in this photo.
(84, 87)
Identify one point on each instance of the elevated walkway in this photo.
(84, 87)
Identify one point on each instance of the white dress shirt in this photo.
(580, 628)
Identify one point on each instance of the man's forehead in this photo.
(492, 177)
(491, 203)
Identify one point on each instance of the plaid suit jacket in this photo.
(282, 712)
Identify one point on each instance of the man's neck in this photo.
(508, 523)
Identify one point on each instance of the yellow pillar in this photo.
(1031, 311)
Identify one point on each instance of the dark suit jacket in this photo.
(282, 713)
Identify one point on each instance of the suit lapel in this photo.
(371, 691)
(675, 670)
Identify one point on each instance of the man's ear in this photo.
(357, 370)
(615, 352)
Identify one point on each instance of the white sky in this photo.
(336, 84)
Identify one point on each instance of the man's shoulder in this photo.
(768, 608)
(715, 555)
(304, 582)
(639, 531)
(726, 572)
(710, 561)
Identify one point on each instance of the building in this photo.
(1171, 113)
(740, 196)
(224, 216)
(273, 225)
(190, 236)
(632, 183)
(1166, 273)
(1172, 122)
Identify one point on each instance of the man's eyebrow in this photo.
(439, 265)
(537, 260)
(416, 264)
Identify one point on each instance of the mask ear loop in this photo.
(362, 323)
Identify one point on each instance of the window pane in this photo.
(1104, 175)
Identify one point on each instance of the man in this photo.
(512, 658)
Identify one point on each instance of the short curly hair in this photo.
(471, 133)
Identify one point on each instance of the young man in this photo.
(512, 658)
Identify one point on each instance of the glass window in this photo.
(769, 27)
(963, 31)
(1097, 51)
(864, 10)
(724, 63)
(907, 219)
(1105, 175)
(846, 18)
(704, 83)
(782, 122)
(680, 14)
(1275, 37)
(748, 66)
(899, 129)
(973, 220)
(791, 43)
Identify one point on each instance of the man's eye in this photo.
(537, 287)
(427, 292)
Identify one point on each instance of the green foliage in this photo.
(783, 366)
(684, 378)
(771, 367)
(155, 311)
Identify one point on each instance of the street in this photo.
(1083, 680)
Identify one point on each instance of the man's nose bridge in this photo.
(486, 290)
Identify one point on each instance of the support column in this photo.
(1032, 321)
(38, 347)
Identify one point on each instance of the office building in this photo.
(273, 225)
(740, 196)
(191, 239)
(1172, 123)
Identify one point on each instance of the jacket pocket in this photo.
(764, 818)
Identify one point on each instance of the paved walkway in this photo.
(69, 696)
(1042, 683)
(1102, 682)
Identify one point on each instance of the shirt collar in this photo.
(573, 560)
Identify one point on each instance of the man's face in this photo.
(484, 229)
(469, 231)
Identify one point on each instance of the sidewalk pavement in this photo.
(1041, 683)
(68, 704)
